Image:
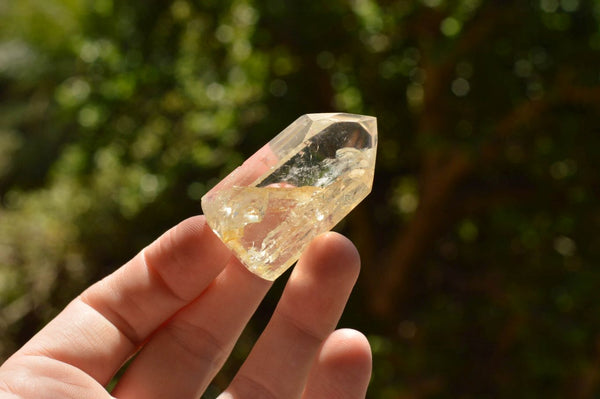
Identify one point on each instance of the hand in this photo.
(181, 304)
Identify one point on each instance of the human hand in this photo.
(181, 304)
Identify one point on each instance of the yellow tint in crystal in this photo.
(299, 185)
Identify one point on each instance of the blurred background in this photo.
(479, 242)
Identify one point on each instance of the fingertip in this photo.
(330, 252)
(190, 244)
(195, 235)
(348, 350)
(342, 368)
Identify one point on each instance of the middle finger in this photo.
(309, 309)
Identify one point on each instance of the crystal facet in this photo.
(299, 185)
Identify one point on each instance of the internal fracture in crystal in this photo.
(299, 185)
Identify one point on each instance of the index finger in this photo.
(245, 174)
(107, 323)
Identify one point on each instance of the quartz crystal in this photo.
(299, 185)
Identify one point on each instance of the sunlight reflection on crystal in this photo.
(317, 170)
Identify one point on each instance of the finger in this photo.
(43, 378)
(342, 369)
(183, 357)
(100, 329)
(245, 174)
(307, 313)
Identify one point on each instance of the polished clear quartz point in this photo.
(299, 185)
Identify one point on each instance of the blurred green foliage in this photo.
(116, 117)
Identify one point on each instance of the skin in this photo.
(181, 304)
